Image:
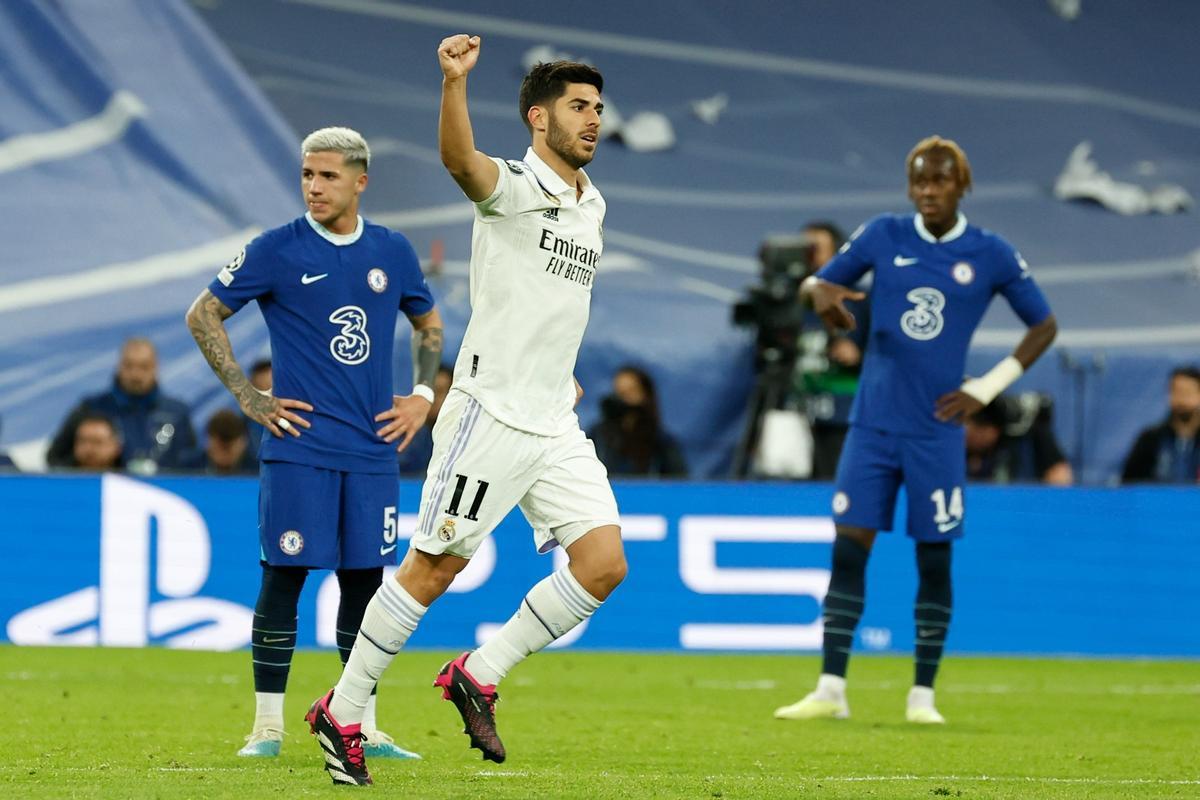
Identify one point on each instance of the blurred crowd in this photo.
(136, 427)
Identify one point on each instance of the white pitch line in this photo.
(646, 47)
(1007, 779)
(95, 132)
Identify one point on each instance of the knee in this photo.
(601, 574)
(427, 577)
(933, 562)
(613, 571)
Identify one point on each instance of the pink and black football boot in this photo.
(476, 702)
(342, 744)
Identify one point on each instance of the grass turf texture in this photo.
(106, 723)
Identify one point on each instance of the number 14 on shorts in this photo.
(947, 517)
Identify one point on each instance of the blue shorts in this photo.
(326, 519)
(875, 463)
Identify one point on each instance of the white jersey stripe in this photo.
(465, 426)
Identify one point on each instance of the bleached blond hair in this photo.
(350, 143)
(936, 144)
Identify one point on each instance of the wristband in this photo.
(423, 391)
(985, 389)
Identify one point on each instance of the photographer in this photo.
(1011, 440)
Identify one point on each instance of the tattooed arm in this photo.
(408, 414)
(206, 320)
(426, 348)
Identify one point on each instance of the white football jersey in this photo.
(534, 253)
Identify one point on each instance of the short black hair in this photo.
(1186, 371)
(833, 230)
(92, 415)
(548, 82)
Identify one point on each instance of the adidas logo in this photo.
(551, 214)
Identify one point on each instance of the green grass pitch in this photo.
(107, 723)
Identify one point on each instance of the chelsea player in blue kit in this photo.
(330, 286)
(934, 276)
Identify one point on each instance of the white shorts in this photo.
(481, 468)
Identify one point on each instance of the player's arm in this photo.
(206, 320)
(474, 172)
(829, 289)
(975, 393)
(408, 414)
(828, 300)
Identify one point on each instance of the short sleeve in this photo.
(856, 256)
(1019, 288)
(417, 299)
(246, 278)
(515, 192)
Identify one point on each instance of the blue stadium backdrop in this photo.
(116, 561)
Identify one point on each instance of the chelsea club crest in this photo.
(377, 280)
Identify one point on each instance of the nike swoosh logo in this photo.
(943, 527)
(383, 551)
(901, 261)
(926, 633)
(272, 641)
(306, 279)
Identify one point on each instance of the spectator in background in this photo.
(6, 463)
(1011, 440)
(261, 378)
(828, 365)
(414, 459)
(155, 430)
(96, 446)
(629, 438)
(1170, 451)
(227, 447)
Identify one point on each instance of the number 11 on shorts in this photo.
(461, 485)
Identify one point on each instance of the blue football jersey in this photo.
(330, 303)
(927, 298)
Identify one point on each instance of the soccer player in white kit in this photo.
(507, 434)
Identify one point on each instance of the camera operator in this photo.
(828, 365)
(805, 378)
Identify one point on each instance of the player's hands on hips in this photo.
(457, 55)
(406, 416)
(275, 413)
(829, 301)
(956, 406)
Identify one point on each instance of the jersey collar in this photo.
(340, 239)
(950, 235)
(552, 183)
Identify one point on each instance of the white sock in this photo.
(368, 720)
(831, 687)
(920, 697)
(390, 618)
(552, 608)
(268, 710)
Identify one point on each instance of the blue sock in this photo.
(935, 602)
(273, 635)
(843, 603)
